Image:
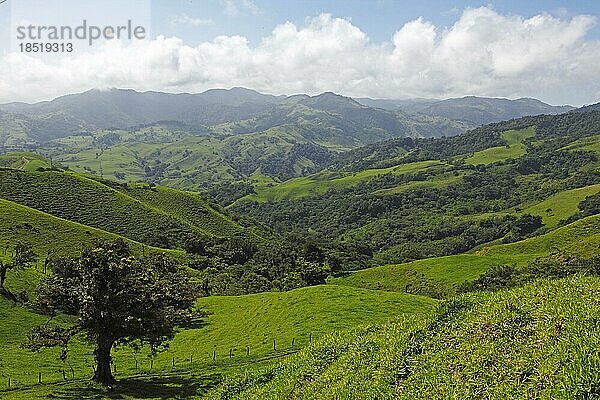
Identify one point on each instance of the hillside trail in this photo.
(27, 161)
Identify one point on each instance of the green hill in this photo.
(50, 235)
(150, 215)
(24, 161)
(513, 149)
(237, 322)
(562, 205)
(406, 199)
(320, 183)
(438, 277)
(537, 341)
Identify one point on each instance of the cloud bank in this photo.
(484, 53)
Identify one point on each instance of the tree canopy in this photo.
(118, 300)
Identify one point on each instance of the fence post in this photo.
(248, 351)
(151, 363)
(274, 346)
(9, 382)
(214, 355)
(230, 353)
(173, 360)
(39, 377)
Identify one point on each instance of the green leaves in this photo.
(117, 299)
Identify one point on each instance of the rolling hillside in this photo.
(320, 183)
(535, 341)
(24, 161)
(409, 199)
(154, 216)
(50, 235)
(293, 138)
(439, 277)
(237, 323)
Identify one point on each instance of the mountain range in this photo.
(124, 108)
(471, 250)
(199, 140)
(471, 109)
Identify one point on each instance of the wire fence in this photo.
(135, 365)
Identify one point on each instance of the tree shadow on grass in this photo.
(160, 387)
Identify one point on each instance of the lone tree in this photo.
(118, 300)
(24, 257)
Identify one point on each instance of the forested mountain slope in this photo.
(407, 199)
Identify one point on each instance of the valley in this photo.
(340, 248)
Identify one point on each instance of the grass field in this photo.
(155, 216)
(536, 341)
(50, 235)
(439, 276)
(323, 181)
(562, 205)
(590, 143)
(24, 161)
(514, 148)
(237, 323)
(189, 207)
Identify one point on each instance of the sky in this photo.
(548, 50)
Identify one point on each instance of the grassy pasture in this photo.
(536, 341)
(590, 143)
(50, 235)
(562, 205)
(237, 323)
(155, 216)
(24, 161)
(439, 276)
(323, 181)
(514, 148)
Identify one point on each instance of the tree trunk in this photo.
(103, 375)
(2, 275)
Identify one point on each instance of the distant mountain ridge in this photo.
(588, 108)
(195, 140)
(471, 109)
(328, 118)
(121, 108)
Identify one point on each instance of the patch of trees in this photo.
(279, 161)
(556, 265)
(423, 221)
(234, 266)
(587, 207)
(227, 193)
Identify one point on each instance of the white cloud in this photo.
(237, 7)
(184, 19)
(483, 53)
